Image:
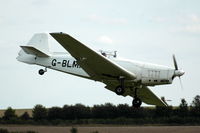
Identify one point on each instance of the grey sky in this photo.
(143, 30)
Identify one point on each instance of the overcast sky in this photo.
(145, 30)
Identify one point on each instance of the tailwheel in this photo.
(136, 102)
(119, 90)
(42, 71)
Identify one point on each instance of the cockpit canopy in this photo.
(108, 53)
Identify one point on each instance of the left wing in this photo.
(96, 65)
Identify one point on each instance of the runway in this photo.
(106, 129)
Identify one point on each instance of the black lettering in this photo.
(53, 63)
(68, 63)
(75, 64)
(64, 63)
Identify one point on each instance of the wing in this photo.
(148, 97)
(96, 65)
(144, 93)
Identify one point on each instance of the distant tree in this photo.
(66, 113)
(55, 113)
(196, 102)
(25, 116)
(39, 112)
(110, 110)
(105, 111)
(81, 111)
(195, 106)
(78, 111)
(163, 111)
(97, 111)
(183, 104)
(183, 108)
(9, 114)
(123, 110)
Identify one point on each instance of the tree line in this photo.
(108, 114)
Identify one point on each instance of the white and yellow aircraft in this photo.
(124, 77)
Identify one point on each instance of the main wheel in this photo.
(136, 102)
(119, 90)
(41, 71)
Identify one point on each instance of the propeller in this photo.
(175, 63)
(177, 72)
(181, 83)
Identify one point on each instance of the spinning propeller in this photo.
(177, 72)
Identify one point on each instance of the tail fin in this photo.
(38, 45)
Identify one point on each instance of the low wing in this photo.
(96, 65)
(144, 93)
(148, 97)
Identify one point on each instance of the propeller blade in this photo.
(181, 83)
(175, 63)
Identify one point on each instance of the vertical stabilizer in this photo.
(40, 41)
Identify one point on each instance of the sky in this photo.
(149, 31)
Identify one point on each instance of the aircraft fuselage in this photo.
(148, 74)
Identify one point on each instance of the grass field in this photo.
(107, 129)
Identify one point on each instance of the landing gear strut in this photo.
(119, 90)
(136, 101)
(42, 71)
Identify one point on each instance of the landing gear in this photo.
(136, 101)
(42, 71)
(119, 90)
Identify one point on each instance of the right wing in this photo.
(96, 65)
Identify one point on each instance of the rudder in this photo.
(40, 42)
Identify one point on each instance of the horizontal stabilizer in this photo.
(34, 51)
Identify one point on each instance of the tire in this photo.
(136, 102)
(41, 71)
(119, 90)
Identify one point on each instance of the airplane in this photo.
(123, 76)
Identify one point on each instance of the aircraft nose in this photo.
(179, 73)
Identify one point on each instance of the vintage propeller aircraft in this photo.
(122, 76)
